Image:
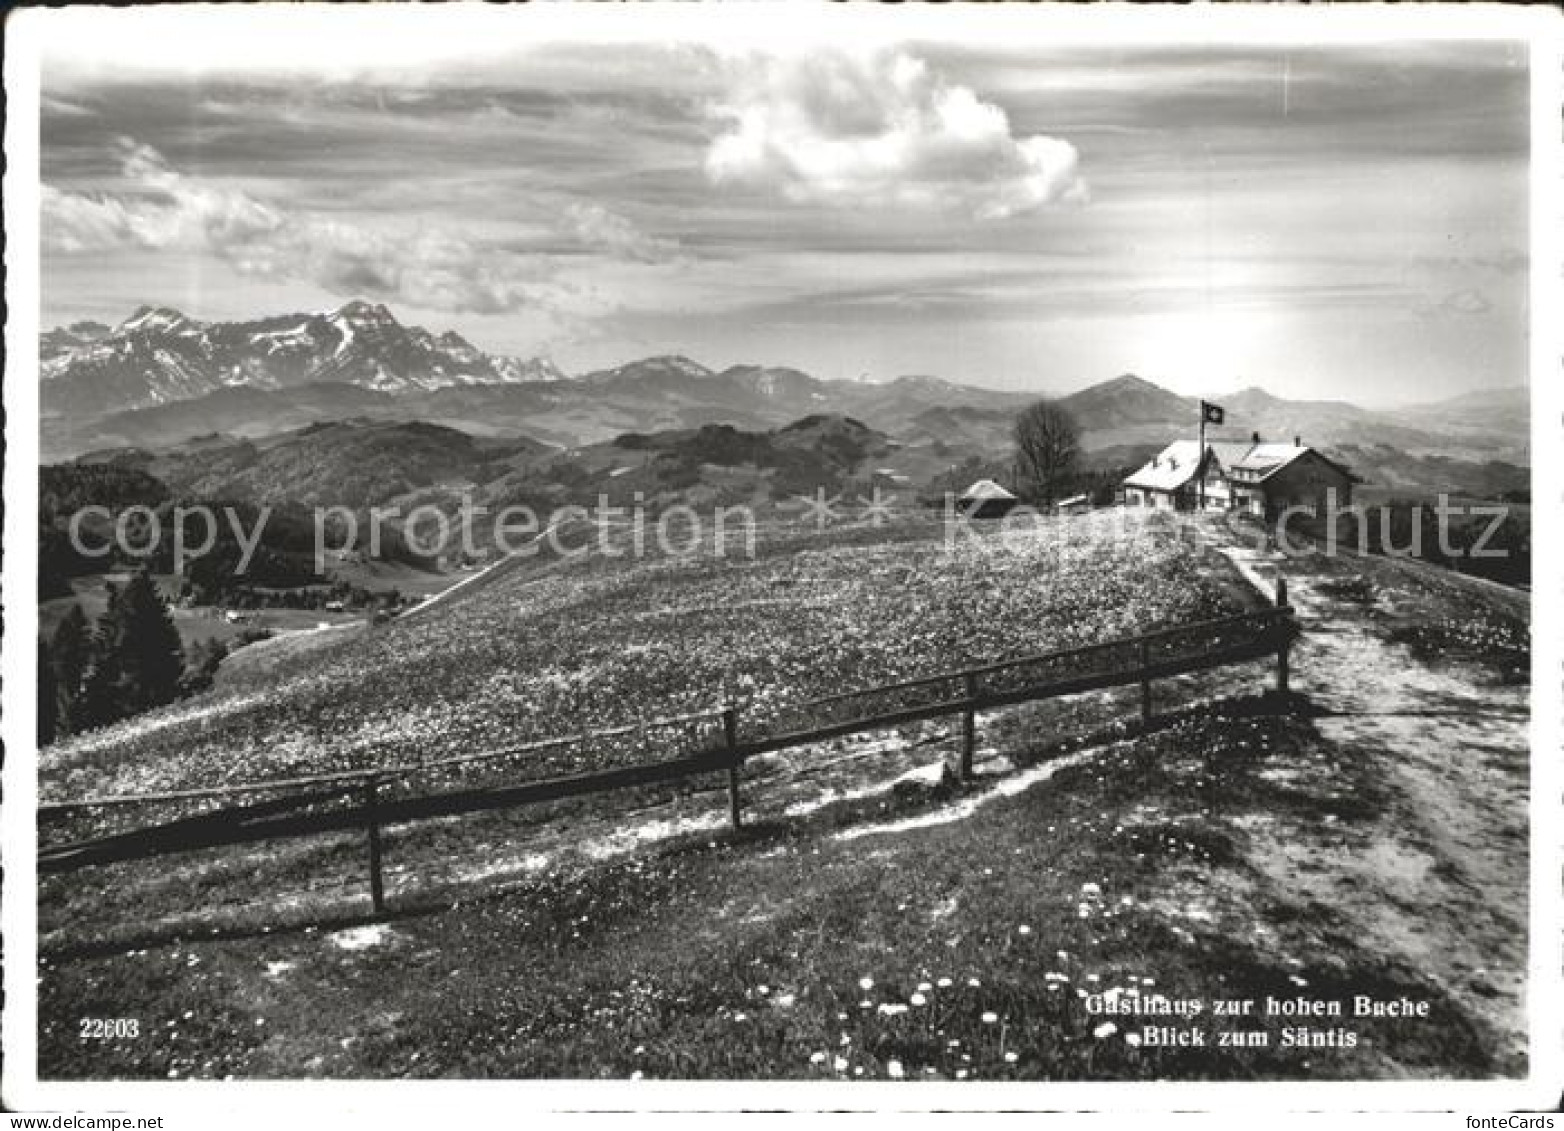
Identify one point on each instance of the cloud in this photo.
(1463, 302)
(430, 268)
(162, 210)
(1504, 260)
(882, 129)
(1467, 302)
(74, 222)
(63, 107)
(602, 230)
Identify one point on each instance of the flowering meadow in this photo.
(872, 920)
(558, 648)
(1043, 938)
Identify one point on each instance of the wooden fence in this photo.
(355, 800)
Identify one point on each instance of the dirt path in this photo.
(1441, 877)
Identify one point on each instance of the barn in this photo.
(986, 499)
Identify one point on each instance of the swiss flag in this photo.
(1212, 413)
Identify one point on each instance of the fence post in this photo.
(372, 818)
(1285, 641)
(968, 728)
(1145, 680)
(730, 735)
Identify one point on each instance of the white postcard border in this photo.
(399, 1103)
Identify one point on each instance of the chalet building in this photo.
(1172, 480)
(986, 499)
(1258, 478)
(1272, 478)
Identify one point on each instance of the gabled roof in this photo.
(1176, 465)
(1229, 452)
(1268, 459)
(986, 489)
(1171, 468)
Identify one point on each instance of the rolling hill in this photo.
(362, 463)
(160, 378)
(351, 463)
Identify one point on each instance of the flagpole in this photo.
(1200, 458)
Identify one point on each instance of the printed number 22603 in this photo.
(109, 1028)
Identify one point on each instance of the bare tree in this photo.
(1048, 444)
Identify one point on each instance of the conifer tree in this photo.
(99, 702)
(71, 651)
(146, 643)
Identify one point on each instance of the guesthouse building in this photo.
(1272, 478)
(1177, 478)
(1257, 478)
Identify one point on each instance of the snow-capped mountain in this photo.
(669, 370)
(158, 356)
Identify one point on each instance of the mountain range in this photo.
(160, 356)
(160, 377)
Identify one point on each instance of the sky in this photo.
(1336, 220)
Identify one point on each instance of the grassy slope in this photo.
(545, 649)
(745, 958)
(714, 956)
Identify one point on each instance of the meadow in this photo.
(886, 944)
(874, 919)
(552, 648)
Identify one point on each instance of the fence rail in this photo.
(353, 799)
